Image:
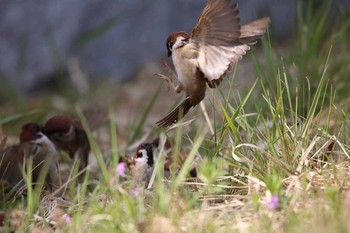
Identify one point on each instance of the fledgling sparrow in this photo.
(33, 144)
(68, 135)
(142, 166)
(217, 42)
(143, 161)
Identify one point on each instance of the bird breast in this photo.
(188, 74)
(141, 174)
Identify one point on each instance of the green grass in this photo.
(286, 137)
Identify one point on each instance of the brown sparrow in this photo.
(217, 42)
(34, 144)
(68, 135)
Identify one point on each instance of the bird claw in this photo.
(168, 80)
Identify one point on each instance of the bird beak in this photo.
(169, 53)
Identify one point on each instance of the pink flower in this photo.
(135, 192)
(273, 203)
(121, 169)
(67, 218)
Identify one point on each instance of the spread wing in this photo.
(217, 38)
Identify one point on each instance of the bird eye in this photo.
(185, 39)
(139, 154)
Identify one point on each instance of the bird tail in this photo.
(178, 113)
(253, 31)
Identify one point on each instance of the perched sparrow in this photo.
(144, 160)
(217, 42)
(143, 165)
(34, 144)
(68, 135)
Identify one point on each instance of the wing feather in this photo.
(220, 40)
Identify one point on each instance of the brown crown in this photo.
(60, 124)
(172, 39)
(29, 132)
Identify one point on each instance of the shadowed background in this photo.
(78, 43)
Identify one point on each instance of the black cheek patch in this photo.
(149, 149)
(169, 46)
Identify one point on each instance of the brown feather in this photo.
(68, 135)
(221, 40)
(15, 158)
(178, 113)
(253, 31)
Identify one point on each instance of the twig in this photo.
(206, 116)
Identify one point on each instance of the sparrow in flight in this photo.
(216, 43)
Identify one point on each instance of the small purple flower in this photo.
(67, 218)
(121, 169)
(135, 192)
(273, 203)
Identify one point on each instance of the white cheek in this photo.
(42, 139)
(143, 159)
(45, 140)
(178, 43)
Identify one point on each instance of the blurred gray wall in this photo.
(111, 39)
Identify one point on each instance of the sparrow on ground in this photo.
(142, 163)
(14, 159)
(68, 135)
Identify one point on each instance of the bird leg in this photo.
(177, 88)
(168, 69)
(169, 78)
